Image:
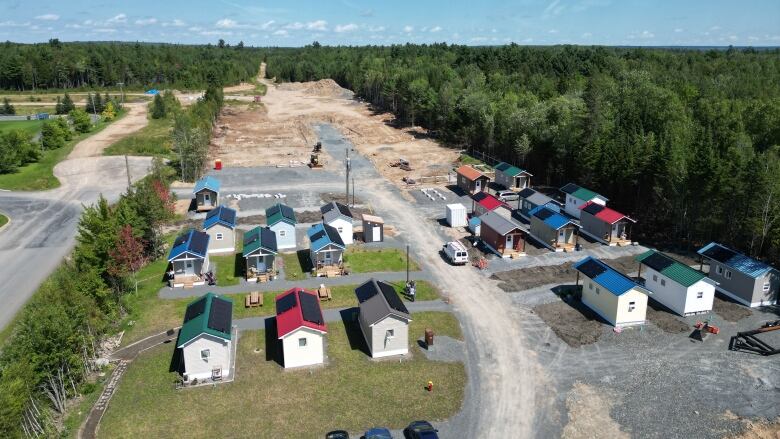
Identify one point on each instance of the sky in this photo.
(354, 22)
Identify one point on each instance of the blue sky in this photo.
(295, 23)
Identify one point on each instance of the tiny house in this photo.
(471, 180)
(383, 318)
(512, 177)
(483, 202)
(675, 285)
(577, 196)
(206, 193)
(552, 229)
(339, 217)
(501, 235)
(373, 228)
(260, 254)
(281, 220)
(605, 225)
(744, 279)
(300, 328)
(189, 260)
(204, 344)
(326, 247)
(220, 224)
(611, 294)
(530, 199)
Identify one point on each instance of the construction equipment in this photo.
(314, 162)
(748, 340)
(703, 329)
(317, 147)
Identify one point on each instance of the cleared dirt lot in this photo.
(526, 278)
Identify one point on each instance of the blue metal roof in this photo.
(207, 182)
(475, 221)
(744, 264)
(615, 282)
(551, 216)
(193, 242)
(221, 215)
(320, 235)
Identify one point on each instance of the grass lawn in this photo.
(293, 265)
(466, 159)
(40, 175)
(352, 392)
(30, 126)
(3, 220)
(77, 413)
(152, 140)
(230, 268)
(368, 261)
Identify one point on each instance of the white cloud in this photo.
(226, 23)
(479, 39)
(646, 34)
(553, 9)
(119, 18)
(13, 24)
(552, 31)
(408, 29)
(752, 38)
(435, 29)
(528, 40)
(105, 30)
(317, 25)
(733, 38)
(294, 26)
(281, 33)
(175, 23)
(48, 17)
(267, 24)
(587, 35)
(73, 26)
(145, 21)
(346, 27)
(678, 30)
(217, 32)
(715, 28)
(195, 29)
(376, 29)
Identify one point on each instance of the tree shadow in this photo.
(304, 260)
(273, 347)
(354, 334)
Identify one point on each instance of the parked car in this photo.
(507, 196)
(378, 433)
(337, 434)
(456, 253)
(420, 430)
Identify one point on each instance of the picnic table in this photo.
(324, 293)
(253, 299)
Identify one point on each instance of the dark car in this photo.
(378, 433)
(337, 434)
(420, 430)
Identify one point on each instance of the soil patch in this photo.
(525, 278)
(589, 414)
(572, 322)
(729, 310)
(759, 429)
(664, 319)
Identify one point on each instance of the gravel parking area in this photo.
(444, 348)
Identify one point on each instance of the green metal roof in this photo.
(508, 169)
(676, 271)
(585, 194)
(199, 324)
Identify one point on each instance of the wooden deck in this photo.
(330, 271)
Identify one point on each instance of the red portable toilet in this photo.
(218, 164)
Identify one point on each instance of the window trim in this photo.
(631, 306)
(390, 333)
(766, 287)
(207, 353)
(303, 342)
(719, 269)
(700, 294)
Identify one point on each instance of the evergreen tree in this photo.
(158, 107)
(67, 104)
(7, 108)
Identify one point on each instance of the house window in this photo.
(663, 282)
(341, 229)
(655, 278)
(302, 342)
(220, 236)
(719, 269)
(205, 354)
(700, 295)
(597, 291)
(282, 232)
(631, 306)
(765, 288)
(390, 333)
(728, 274)
(590, 286)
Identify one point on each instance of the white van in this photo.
(456, 252)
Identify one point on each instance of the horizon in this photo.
(630, 23)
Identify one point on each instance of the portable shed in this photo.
(373, 228)
(384, 319)
(503, 236)
(281, 220)
(744, 279)
(204, 344)
(675, 285)
(530, 199)
(552, 229)
(206, 193)
(577, 196)
(300, 327)
(456, 215)
(260, 251)
(220, 224)
(611, 294)
(512, 177)
(188, 259)
(605, 225)
(338, 216)
(472, 180)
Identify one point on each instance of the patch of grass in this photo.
(229, 268)
(442, 323)
(293, 265)
(77, 413)
(3, 220)
(368, 261)
(29, 126)
(152, 140)
(466, 159)
(352, 392)
(40, 175)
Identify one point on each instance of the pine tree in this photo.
(67, 104)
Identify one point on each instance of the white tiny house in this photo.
(675, 285)
(300, 328)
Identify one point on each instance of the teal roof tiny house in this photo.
(744, 279)
(260, 254)
(204, 344)
(512, 177)
(206, 193)
(281, 220)
(675, 285)
(577, 196)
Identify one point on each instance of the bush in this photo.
(81, 121)
(17, 149)
(158, 107)
(52, 136)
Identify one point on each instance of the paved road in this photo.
(43, 224)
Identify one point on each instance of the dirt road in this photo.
(93, 146)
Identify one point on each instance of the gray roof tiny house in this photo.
(744, 279)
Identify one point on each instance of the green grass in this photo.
(351, 392)
(368, 261)
(76, 414)
(466, 159)
(230, 268)
(293, 269)
(3, 220)
(152, 140)
(40, 175)
(29, 126)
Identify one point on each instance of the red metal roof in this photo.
(292, 319)
(470, 173)
(607, 215)
(489, 202)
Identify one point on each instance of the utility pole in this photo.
(407, 264)
(353, 191)
(127, 168)
(348, 166)
(121, 91)
(94, 110)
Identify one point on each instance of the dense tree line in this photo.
(88, 65)
(686, 141)
(54, 341)
(192, 131)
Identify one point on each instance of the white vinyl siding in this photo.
(310, 353)
(204, 354)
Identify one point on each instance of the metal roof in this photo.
(321, 235)
(209, 314)
(604, 213)
(496, 222)
(192, 241)
(259, 238)
(510, 170)
(378, 300)
(551, 217)
(294, 310)
(207, 182)
(744, 264)
(373, 219)
(581, 193)
(221, 215)
(336, 208)
(671, 268)
(487, 201)
(470, 173)
(279, 212)
(538, 199)
(526, 192)
(612, 280)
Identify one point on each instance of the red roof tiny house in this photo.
(472, 180)
(605, 225)
(483, 202)
(301, 327)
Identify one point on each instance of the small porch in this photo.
(514, 246)
(206, 200)
(618, 234)
(566, 240)
(260, 268)
(186, 273)
(328, 262)
(521, 182)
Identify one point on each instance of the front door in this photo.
(509, 241)
(189, 267)
(206, 198)
(377, 234)
(478, 185)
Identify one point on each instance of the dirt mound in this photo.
(323, 87)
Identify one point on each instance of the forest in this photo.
(685, 141)
(56, 65)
